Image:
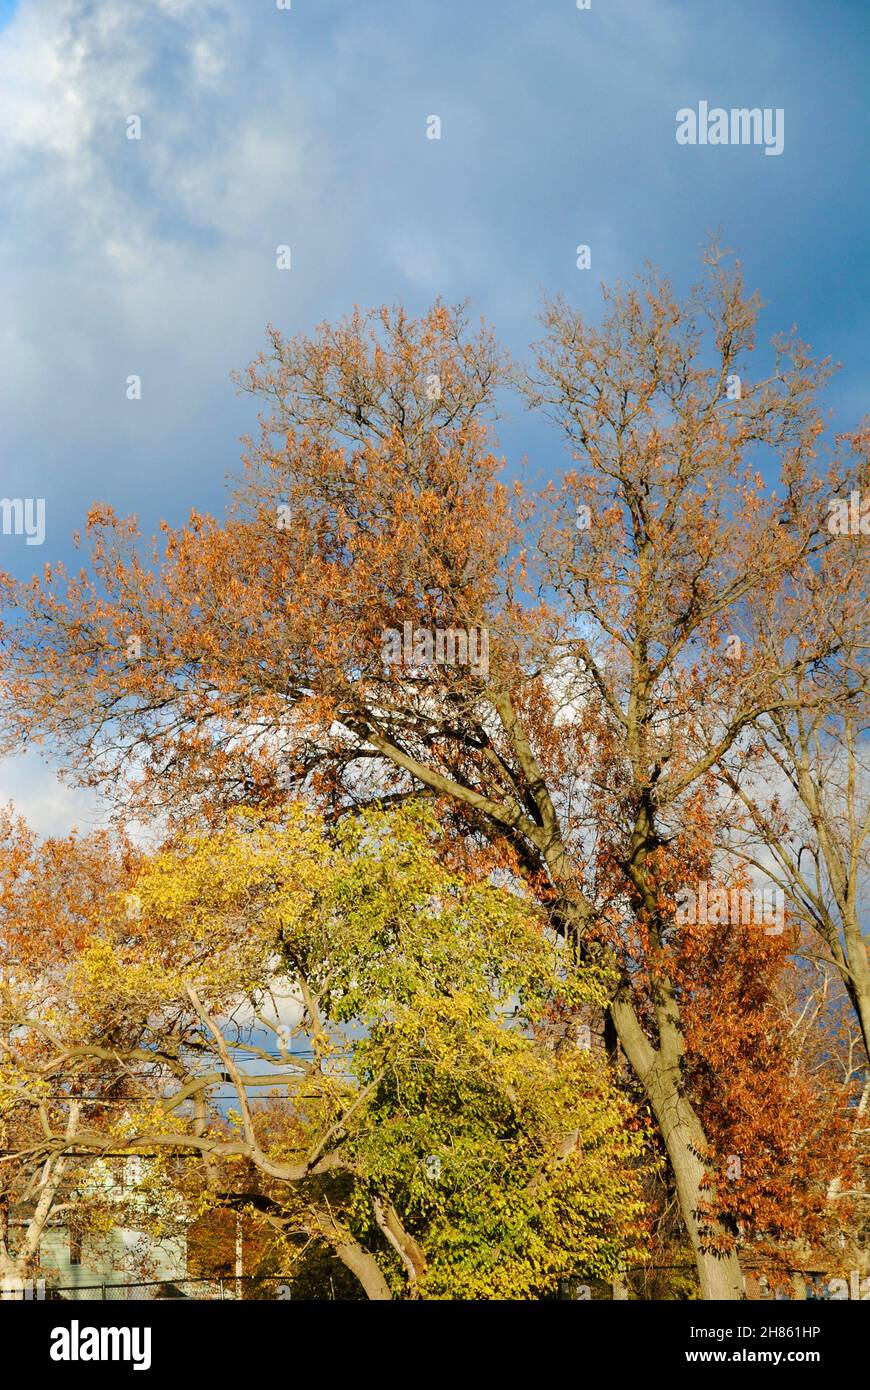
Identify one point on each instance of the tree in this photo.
(373, 500)
(50, 896)
(780, 1119)
(771, 1064)
(800, 788)
(429, 1130)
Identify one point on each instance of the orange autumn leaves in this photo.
(586, 758)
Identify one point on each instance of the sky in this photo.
(307, 127)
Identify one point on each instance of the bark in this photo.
(364, 1266)
(683, 1135)
(857, 978)
(408, 1250)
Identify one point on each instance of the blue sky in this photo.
(307, 127)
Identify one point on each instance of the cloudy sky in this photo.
(307, 127)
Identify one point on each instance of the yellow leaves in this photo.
(107, 974)
(418, 985)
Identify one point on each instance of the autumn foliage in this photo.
(676, 667)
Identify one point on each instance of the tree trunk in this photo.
(719, 1274)
(362, 1264)
(686, 1144)
(857, 980)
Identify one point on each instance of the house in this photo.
(109, 1255)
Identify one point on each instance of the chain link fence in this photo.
(208, 1289)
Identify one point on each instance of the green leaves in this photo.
(425, 1097)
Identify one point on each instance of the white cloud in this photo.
(49, 806)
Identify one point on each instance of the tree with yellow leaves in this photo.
(318, 641)
(358, 1043)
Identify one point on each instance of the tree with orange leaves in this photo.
(57, 1071)
(780, 1121)
(248, 660)
(799, 786)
